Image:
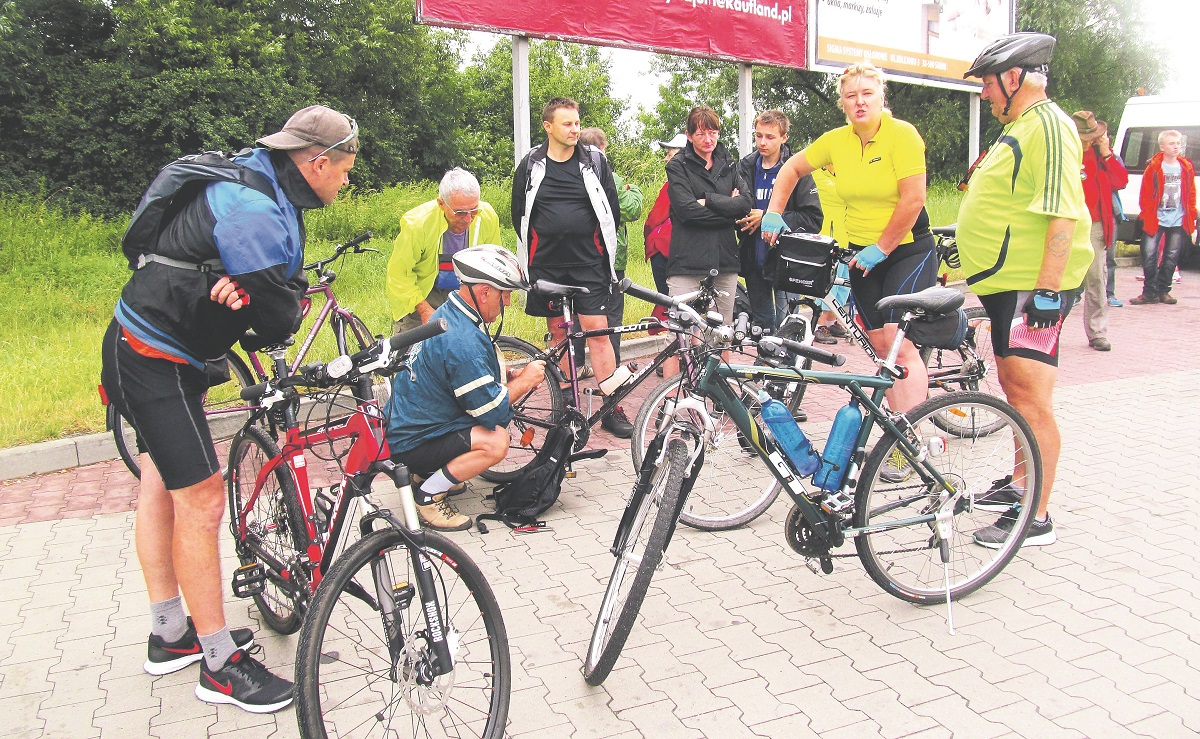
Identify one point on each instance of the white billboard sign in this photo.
(929, 42)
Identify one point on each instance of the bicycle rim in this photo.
(906, 561)
(272, 526)
(352, 335)
(347, 682)
(224, 408)
(533, 415)
(644, 543)
(125, 440)
(733, 487)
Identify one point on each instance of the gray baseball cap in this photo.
(315, 125)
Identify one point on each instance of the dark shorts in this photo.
(1011, 338)
(910, 268)
(435, 453)
(594, 278)
(164, 402)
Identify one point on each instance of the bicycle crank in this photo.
(801, 537)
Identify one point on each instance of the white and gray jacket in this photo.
(597, 178)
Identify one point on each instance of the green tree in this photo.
(556, 69)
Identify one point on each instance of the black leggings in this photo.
(908, 269)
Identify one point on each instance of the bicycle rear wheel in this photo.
(533, 415)
(351, 335)
(362, 666)
(654, 504)
(732, 488)
(906, 561)
(970, 367)
(271, 530)
(223, 409)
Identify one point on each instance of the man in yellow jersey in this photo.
(1023, 235)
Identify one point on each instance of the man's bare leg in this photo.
(176, 536)
(1029, 386)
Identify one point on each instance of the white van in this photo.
(1145, 117)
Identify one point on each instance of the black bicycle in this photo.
(914, 536)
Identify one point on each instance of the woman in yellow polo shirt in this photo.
(880, 164)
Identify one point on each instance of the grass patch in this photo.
(63, 274)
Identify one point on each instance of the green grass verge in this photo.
(61, 276)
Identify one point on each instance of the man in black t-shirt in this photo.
(564, 209)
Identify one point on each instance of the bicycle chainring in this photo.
(801, 537)
(573, 419)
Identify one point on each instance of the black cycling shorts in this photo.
(435, 454)
(910, 268)
(164, 402)
(594, 278)
(1010, 336)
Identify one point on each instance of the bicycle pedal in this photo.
(249, 580)
(837, 502)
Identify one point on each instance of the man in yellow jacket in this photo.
(420, 273)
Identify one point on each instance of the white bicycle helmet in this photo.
(1029, 51)
(491, 265)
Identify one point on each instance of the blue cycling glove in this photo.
(772, 223)
(1043, 309)
(870, 257)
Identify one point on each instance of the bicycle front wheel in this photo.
(641, 551)
(533, 415)
(906, 560)
(733, 487)
(364, 656)
(224, 410)
(268, 527)
(352, 335)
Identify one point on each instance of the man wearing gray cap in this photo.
(226, 257)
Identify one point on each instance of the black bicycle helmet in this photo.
(492, 265)
(1029, 51)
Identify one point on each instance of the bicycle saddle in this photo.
(931, 300)
(555, 290)
(252, 342)
(945, 230)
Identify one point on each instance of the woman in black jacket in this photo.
(707, 197)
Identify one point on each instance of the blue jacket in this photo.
(260, 242)
(453, 382)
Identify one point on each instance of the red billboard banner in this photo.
(770, 32)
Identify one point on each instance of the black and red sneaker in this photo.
(244, 682)
(163, 658)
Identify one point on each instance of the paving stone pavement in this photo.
(1094, 636)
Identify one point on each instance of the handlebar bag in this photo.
(801, 263)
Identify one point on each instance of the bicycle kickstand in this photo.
(944, 522)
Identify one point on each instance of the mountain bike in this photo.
(400, 631)
(914, 536)
(551, 404)
(224, 409)
(713, 506)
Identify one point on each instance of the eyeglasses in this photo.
(349, 137)
(467, 212)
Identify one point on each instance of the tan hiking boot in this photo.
(441, 515)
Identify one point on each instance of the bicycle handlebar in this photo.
(342, 249)
(321, 374)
